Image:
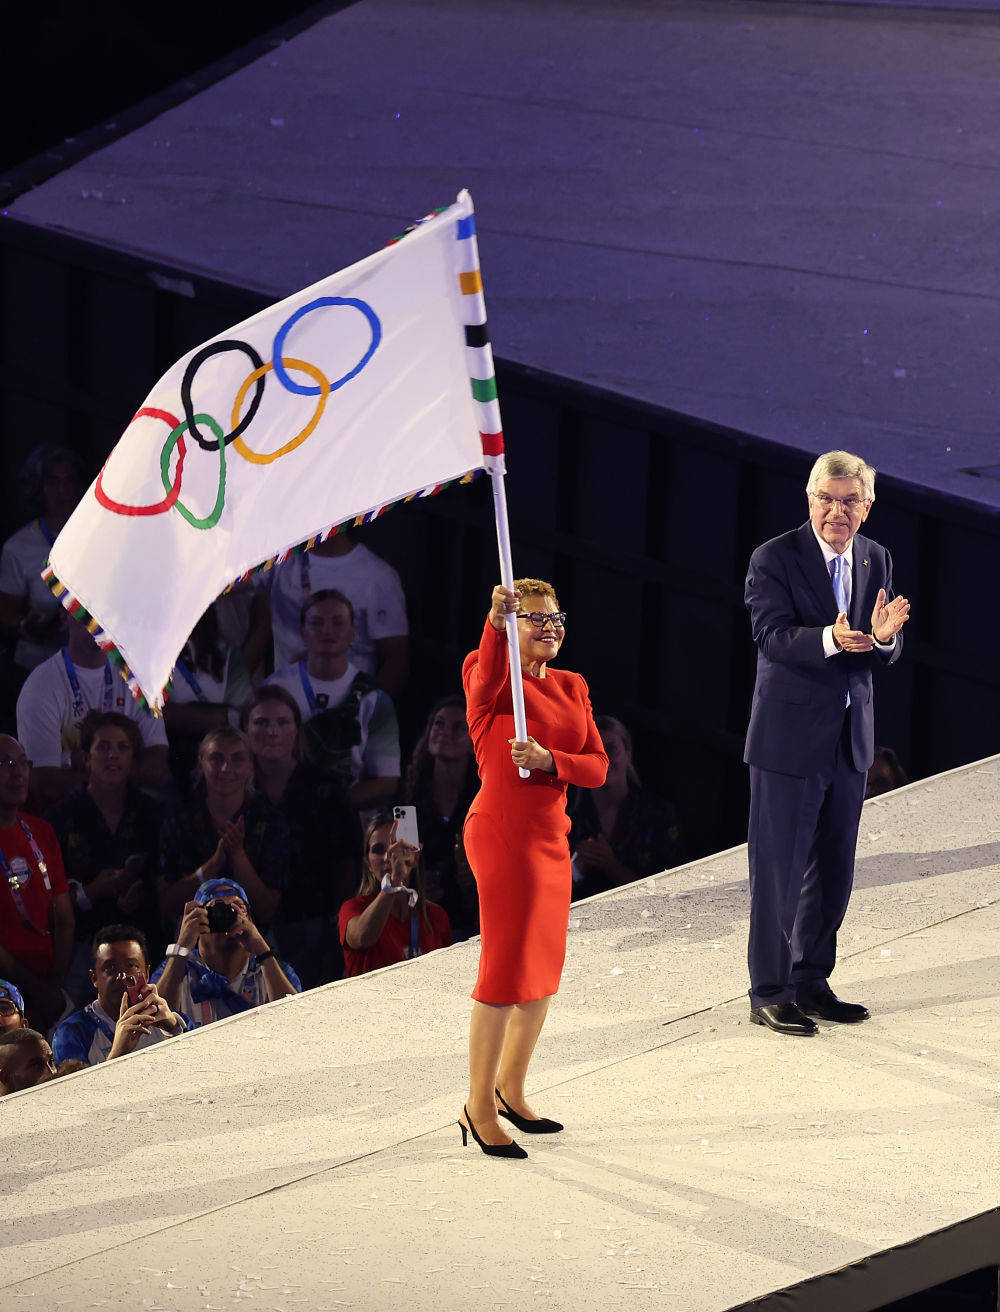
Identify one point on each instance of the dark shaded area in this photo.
(979, 1291)
(92, 62)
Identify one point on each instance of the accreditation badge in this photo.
(20, 872)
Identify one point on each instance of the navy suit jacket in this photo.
(799, 696)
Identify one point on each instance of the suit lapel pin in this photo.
(865, 562)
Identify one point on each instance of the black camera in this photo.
(221, 917)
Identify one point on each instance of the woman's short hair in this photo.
(842, 464)
(535, 588)
(226, 734)
(94, 721)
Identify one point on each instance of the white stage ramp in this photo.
(307, 1156)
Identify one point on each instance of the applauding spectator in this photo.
(109, 833)
(390, 920)
(25, 1060)
(127, 1013)
(36, 913)
(620, 832)
(350, 725)
(53, 704)
(227, 830)
(12, 1015)
(221, 963)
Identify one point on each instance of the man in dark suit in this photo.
(822, 612)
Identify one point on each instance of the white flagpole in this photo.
(497, 470)
(484, 389)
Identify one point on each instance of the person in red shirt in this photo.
(390, 920)
(36, 912)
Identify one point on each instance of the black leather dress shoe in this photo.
(783, 1018)
(820, 1000)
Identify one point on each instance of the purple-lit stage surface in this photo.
(306, 1155)
(778, 217)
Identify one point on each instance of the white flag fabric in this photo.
(319, 411)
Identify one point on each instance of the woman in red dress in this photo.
(516, 842)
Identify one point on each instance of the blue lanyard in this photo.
(46, 532)
(100, 1022)
(414, 934)
(79, 705)
(14, 884)
(307, 687)
(191, 681)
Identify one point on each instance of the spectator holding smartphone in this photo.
(390, 920)
(221, 963)
(128, 1012)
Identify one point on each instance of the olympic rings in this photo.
(256, 379)
(255, 457)
(194, 364)
(212, 518)
(119, 507)
(278, 350)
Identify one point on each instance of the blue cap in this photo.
(8, 990)
(213, 888)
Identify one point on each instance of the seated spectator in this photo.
(36, 912)
(109, 834)
(441, 782)
(350, 725)
(113, 1024)
(221, 963)
(25, 1060)
(12, 1015)
(208, 685)
(380, 643)
(227, 830)
(324, 835)
(390, 920)
(51, 483)
(53, 704)
(885, 774)
(620, 832)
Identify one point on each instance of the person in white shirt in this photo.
(51, 483)
(349, 725)
(53, 703)
(381, 643)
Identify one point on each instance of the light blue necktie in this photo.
(837, 574)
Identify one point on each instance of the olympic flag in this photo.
(371, 387)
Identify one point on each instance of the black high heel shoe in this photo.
(511, 1149)
(542, 1126)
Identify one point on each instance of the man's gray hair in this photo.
(841, 464)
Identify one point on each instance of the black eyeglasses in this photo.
(540, 617)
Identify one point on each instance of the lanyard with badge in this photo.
(79, 705)
(315, 702)
(15, 881)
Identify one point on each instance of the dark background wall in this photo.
(643, 518)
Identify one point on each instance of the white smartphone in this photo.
(406, 825)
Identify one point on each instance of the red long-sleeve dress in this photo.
(516, 830)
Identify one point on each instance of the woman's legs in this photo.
(487, 1033)
(523, 1029)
